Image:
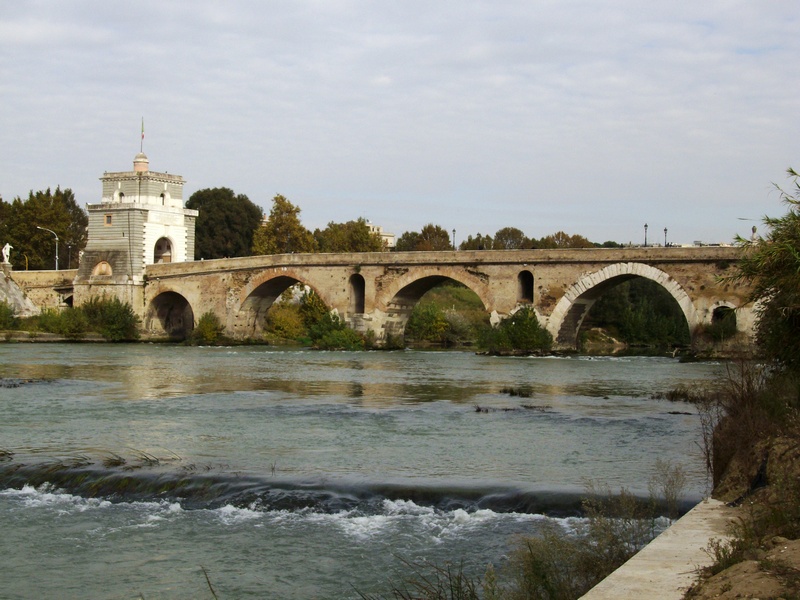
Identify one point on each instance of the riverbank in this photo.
(667, 567)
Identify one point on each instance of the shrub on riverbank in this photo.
(7, 318)
(208, 331)
(518, 333)
(113, 319)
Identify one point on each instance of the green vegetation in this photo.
(751, 426)
(113, 319)
(208, 331)
(450, 314)
(353, 236)
(771, 265)
(640, 312)
(309, 321)
(430, 237)
(518, 333)
(283, 233)
(226, 223)
(7, 318)
(512, 238)
(35, 248)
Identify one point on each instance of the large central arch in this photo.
(253, 311)
(402, 303)
(567, 317)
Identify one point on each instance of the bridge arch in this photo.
(567, 316)
(408, 290)
(260, 295)
(170, 313)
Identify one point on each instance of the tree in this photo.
(517, 333)
(479, 242)
(771, 265)
(353, 236)
(283, 233)
(431, 237)
(35, 248)
(562, 240)
(226, 223)
(407, 242)
(510, 238)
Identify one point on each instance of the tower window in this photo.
(107, 220)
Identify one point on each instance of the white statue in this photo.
(7, 252)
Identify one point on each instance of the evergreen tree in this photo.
(35, 248)
(226, 223)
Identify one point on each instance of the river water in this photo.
(125, 470)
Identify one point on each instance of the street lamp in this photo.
(454, 239)
(645, 235)
(665, 237)
(54, 235)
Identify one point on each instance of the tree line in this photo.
(231, 225)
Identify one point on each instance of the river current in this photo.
(128, 470)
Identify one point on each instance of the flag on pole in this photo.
(141, 144)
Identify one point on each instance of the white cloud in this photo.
(591, 118)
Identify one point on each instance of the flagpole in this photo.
(141, 143)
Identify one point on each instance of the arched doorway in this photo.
(162, 252)
(525, 286)
(357, 288)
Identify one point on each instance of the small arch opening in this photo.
(723, 323)
(357, 289)
(102, 269)
(525, 286)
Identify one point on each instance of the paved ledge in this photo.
(666, 567)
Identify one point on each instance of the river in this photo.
(125, 470)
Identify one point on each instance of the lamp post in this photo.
(645, 235)
(454, 240)
(665, 237)
(54, 235)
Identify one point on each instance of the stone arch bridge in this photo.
(377, 291)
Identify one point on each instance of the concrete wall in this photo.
(46, 289)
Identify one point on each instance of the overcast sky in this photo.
(588, 116)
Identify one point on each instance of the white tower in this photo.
(139, 221)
